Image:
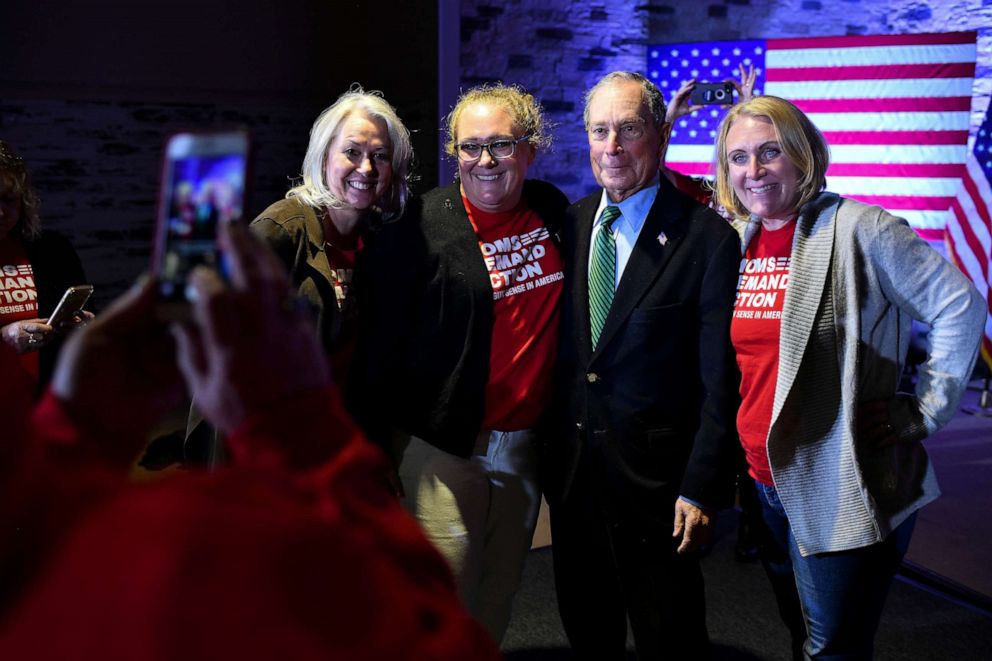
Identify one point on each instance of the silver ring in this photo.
(32, 338)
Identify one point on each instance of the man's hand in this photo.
(693, 524)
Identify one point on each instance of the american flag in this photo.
(969, 230)
(894, 109)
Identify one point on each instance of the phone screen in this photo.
(203, 184)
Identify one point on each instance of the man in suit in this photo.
(645, 448)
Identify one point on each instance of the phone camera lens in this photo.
(720, 95)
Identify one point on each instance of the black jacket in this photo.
(651, 412)
(426, 312)
(56, 267)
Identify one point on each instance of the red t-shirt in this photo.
(525, 270)
(18, 294)
(764, 275)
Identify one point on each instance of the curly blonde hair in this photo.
(526, 111)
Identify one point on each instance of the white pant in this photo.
(480, 513)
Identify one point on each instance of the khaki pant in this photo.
(480, 512)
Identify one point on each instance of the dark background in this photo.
(89, 90)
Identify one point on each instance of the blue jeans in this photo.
(842, 593)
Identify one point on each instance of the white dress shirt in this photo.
(633, 211)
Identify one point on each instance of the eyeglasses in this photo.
(472, 151)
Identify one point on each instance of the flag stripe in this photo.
(930, 234)
(855, 41)
(894, 104)
(896, 154)
(896, 137)
(930, 221)
(861, 89)
(870, 55)
(952, 170)
(979, 271)
(693, 169)
(963, 259)
(922, 186)
(891, 121)
(949, 171)
(896, 202)
(899, 153)
(873, 72)
(979, 193)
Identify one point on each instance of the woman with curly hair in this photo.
(36, 267)
(460, 302)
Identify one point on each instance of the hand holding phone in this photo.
(71, 304)
(204, 178)
(712, 94)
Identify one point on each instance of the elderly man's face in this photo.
(625, 147)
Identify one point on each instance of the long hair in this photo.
(314, 190)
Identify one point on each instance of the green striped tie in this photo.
(602, 272)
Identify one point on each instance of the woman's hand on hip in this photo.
(875, 424)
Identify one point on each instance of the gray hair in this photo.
(651, 94)
(314, 190)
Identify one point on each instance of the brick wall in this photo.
(558, 48)
(96, 167)
(88, 99)
(90, 89)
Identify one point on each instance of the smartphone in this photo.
(712, 94)
(204, 183)
(72, 302)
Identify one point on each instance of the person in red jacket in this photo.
(298, 550)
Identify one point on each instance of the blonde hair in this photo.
(314, 191)
(526, 111)
(14, 172)
(800, 140)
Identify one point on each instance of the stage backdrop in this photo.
(894, 109)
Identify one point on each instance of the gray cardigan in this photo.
(858, 277)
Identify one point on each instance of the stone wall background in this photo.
(558, 49)
(89, 89)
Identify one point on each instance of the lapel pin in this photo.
(662, 238)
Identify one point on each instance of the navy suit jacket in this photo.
(650, 413)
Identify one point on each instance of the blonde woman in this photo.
(828, 287)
